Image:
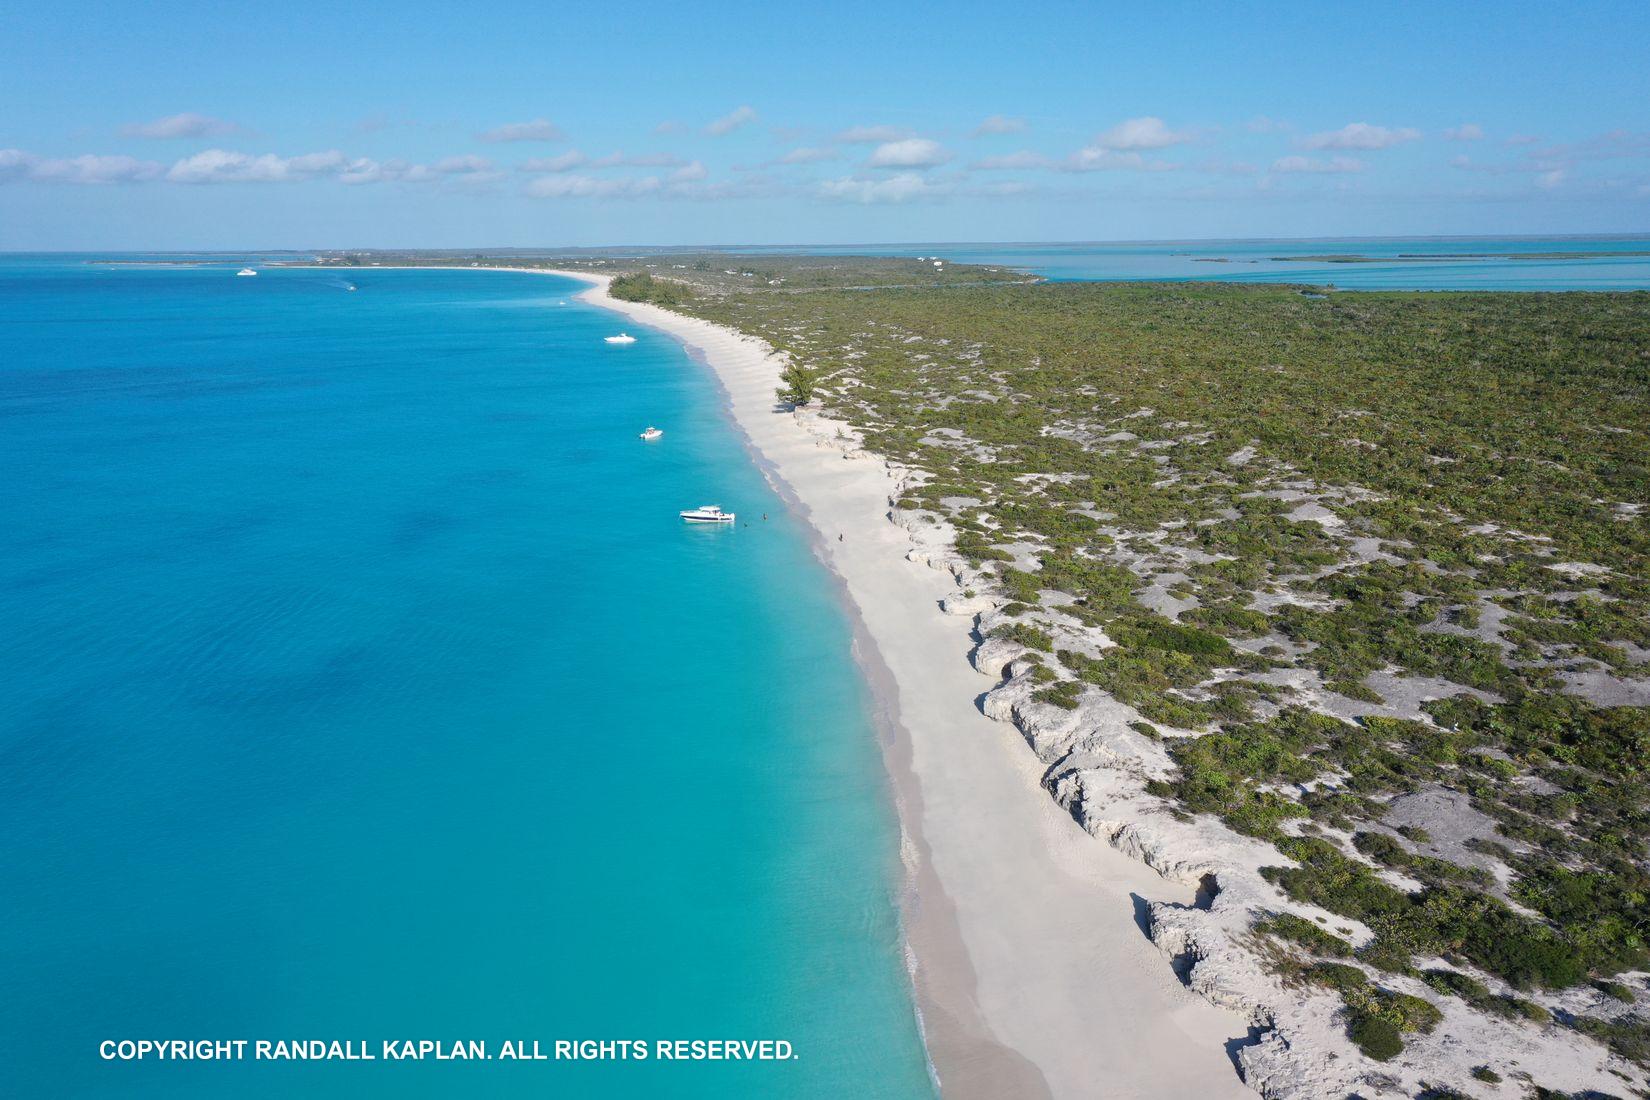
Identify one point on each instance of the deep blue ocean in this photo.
(360, 682)
(1391, 263)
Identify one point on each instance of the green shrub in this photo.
(1338, 976)
(642, 287)
(1453, 981)
(1031, 637)
(1299, 930)
(1377, 1038)
(1065, 695)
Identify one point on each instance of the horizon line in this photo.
(1624, 235)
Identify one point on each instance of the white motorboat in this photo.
(652, 433)
(246, 271)
(622, 338)
(707, 513)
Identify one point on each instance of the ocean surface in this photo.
(361, 683)
(1385, 263)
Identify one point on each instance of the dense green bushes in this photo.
(1439, 920)
(645, 288)
(1302, 932)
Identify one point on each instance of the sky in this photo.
(490, 124)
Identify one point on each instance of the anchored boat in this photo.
(652, 433)
(246, 271)
(622, 338)
(707, 513)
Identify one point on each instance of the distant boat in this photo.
(622, 338)
(350, 287)
(707, 513)
(652, 433)
(246, 271)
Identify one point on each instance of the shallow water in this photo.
(361, 683)
(1415, 263)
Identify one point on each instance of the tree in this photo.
(800, 383)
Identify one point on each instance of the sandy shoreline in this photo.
(1031, 972)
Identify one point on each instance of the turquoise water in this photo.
(1419, 263)
(361, 683)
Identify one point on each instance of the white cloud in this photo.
(185, 125)
(1025, 158)
(1334, 165)
(910, 153)
(575, 159)
(731, 121)
(560, 163)
(227, 166)
(1142, 133)
(999, 124)
(901, 188)
(1549, 180)
(1467, 131)
(592, 187)
(224, 166)
(312, 164)
(805, 155)
(461, 169)
(639, 160)
(540, 129)
(689, 172)
(1097, 159)
(1522, 139)
(17, 165)
(363, 170)
(1361, 135)
(669, 126)
(871, 135)
(469, 165)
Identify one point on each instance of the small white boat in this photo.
(246, 271)
(652, 433)
(622, 338)
(707, 513)
(351, 286)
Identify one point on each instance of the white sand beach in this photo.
(1032, 974)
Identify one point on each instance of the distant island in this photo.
(1423, 257)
